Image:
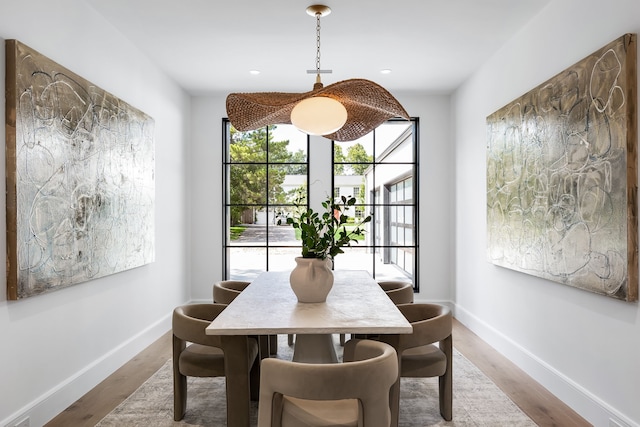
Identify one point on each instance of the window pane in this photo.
(408, 189)
(361, 211)
(387, 135)
(247, 184)
(408, 236)
(408, 214)
(353, 157)
(386, 189)
(246, 263)
(389, 174)
(287, 145)
(391, 272)
(248, 147)
(400, 154)
(249, 233)
(408, 256)
(284, 186)
(354, 258)
(348, 186)
(282, 259)
(266, 174)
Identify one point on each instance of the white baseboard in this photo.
(581, 400)
(47, 406)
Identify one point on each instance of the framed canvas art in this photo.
(562, 176)
(80, 178)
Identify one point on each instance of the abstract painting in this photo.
(562, 176)
(80, 178)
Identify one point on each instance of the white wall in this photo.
(57, 346)
(583, 347)
(436, 200)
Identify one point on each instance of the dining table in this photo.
(356, 304)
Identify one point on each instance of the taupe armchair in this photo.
(399, 292)
(226, 291)
(355, 392)
(418, 357)
(233, 357)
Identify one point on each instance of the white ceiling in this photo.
(209, 46)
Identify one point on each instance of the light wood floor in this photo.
(531, 397)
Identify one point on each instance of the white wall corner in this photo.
(589, 406)
(47, 406)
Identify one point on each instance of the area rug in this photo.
(477, 401)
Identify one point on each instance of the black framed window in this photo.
(265, 172)
(381, 171)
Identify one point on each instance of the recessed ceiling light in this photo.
(254, 72)
(385, 71)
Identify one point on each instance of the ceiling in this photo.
(209, 46)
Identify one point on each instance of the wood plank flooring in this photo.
(531, 397)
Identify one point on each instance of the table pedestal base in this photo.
(314, 348)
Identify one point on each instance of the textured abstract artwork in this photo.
(80, 178)
(562, 176)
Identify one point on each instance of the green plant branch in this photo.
(325, 235)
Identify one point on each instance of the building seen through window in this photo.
(380, 170)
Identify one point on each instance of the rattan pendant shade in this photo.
(368, 105)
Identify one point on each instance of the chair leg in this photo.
(290, 339)
(263, 346)
(273, 344)
(445, 382)
(254, 380)
(342, 339)
(179, 396)
(394, 403)
(179, 382)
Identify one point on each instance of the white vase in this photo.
(311, 279)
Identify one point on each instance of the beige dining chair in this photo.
(353, 393)
(419, 357)
(226, 291)
(196, 354)
(400, 292)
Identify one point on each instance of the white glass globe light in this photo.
(319, 115)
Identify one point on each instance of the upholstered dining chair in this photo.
(226, 291)
(400, 292)
(419, 357)
(196, 354)
(353, 393)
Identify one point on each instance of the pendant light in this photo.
(342, 111)
(318, 115)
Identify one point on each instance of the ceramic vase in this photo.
(311, 279)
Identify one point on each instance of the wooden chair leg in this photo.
(273, 344)
(290, 339)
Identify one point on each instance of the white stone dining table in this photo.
(268, 306)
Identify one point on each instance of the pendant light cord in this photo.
(318, 84)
